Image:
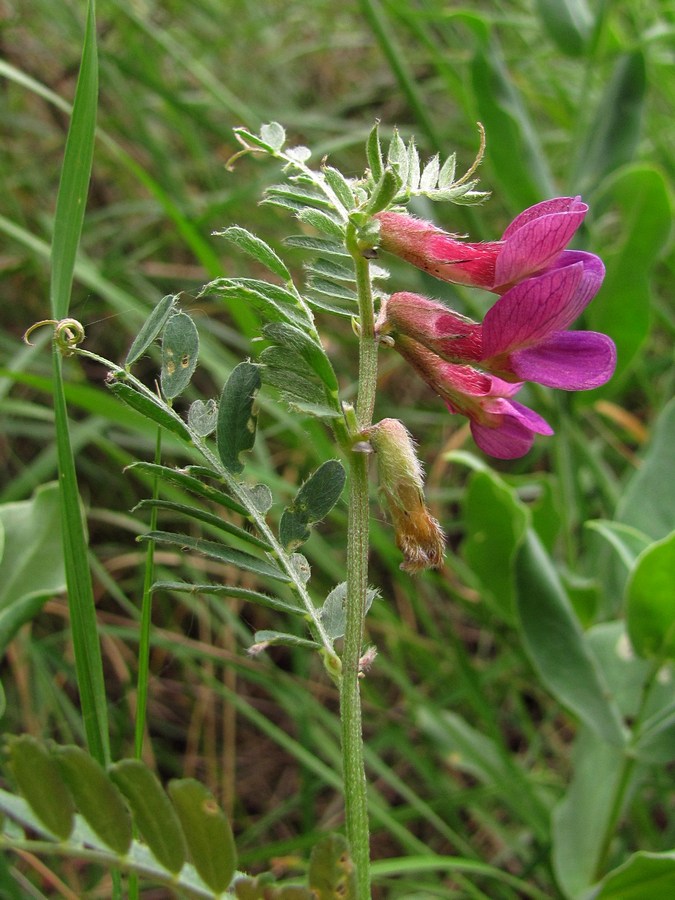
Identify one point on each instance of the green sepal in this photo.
(39, 778)
(151, 328)
(152, 409)
(153, 813)
(180, 349)
(96, 797)
(235, 433)
(207, 832)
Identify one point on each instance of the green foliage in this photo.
(575, 98)
(31, 559)
(237, 421)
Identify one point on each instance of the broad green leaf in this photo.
(638, 202)
(321, 245)
(650, 608)
(333, 289)
(151, 328)
(226, 590)
(202, 515)
(340, 186)
(31, 565)
(374, 153)
(258, 249)
(648, 501)
(322, 221)
(39, 778)
(628, 542)
(236, 418)
(446, 177)
(151, 408)
(581, 818)
(333, 613)
(514, 149)
(96, 797)
(397, 157)
(138, 860)
(154, 816)
(653, 740)
(312, 352)
(568, 23)
(273, 134)
(384, 192)
(187, 481)
(331, 870)
(203, 417)
(217, 551)
(614, 130)
(330, 269)
(430, 173)
(644, 875)
(264, 639)
(271, 301)
(313, 502)
(556, 645)
(261, 497)
(207, 832)
(180, 349)
(495, 524)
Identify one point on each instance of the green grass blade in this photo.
(70, 206)
(80, 593)
(75, 174)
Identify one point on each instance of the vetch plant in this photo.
(477, 369)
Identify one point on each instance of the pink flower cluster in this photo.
(478, 367)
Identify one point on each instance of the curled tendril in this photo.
(68, 333)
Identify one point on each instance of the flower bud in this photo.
(418, 535)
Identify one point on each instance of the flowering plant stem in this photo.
(356, 805)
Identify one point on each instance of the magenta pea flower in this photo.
(501, 427)
(523, 336)
(530, 244)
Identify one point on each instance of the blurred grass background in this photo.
(575, 97)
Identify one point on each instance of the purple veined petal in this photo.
(569, 360)
(536, 237)
(514, 435)
(531, 311)
(545, 208)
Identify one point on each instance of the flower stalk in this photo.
(355, 790)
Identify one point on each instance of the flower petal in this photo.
(536, 308)
(570, 360)
(536, 237)
(514, 436)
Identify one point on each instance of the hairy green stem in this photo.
(355, 788)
